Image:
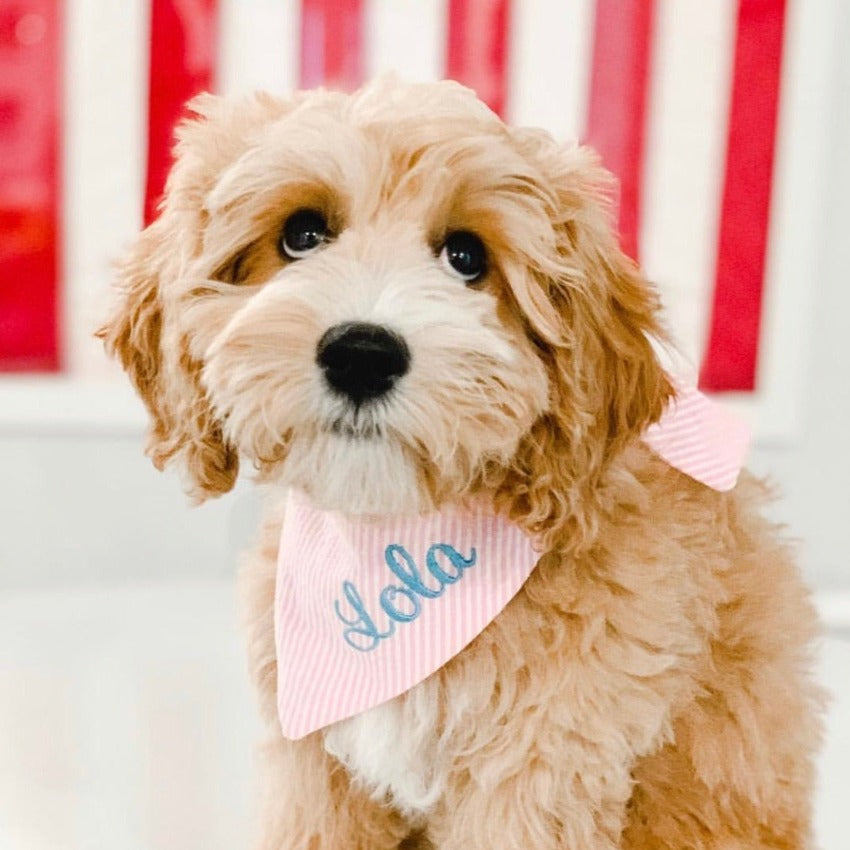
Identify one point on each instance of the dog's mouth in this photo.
(358, 422)
(343, 428)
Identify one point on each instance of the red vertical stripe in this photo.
(622, 44)
(182, 64)
(733, 339)
(30, 118)
(478, 48)
(331, 43)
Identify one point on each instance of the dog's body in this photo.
(649, 694)
(648, 686)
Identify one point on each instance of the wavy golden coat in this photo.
(649, 686)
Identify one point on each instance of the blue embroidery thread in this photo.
(362, 624)
(457, 560)
(412, 587)
(388, 597)
(412, 577)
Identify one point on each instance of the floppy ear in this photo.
(163, 373)
(592, 314)
(141, 332)
(605, 360)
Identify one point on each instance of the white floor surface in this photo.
(126, 722)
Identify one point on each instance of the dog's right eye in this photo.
(303, 232)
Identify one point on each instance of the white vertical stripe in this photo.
(685, 154)
(406, 36)
(259, 46)
(549, 55)
(466, 606)
(105, 91)
(420, 537)
(409, 660)
(445, 614)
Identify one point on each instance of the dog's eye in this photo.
(464, 256)
(303, 232)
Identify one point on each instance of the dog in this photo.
(391, 303)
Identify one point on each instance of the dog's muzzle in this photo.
(362, 361)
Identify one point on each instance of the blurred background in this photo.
(125, 717)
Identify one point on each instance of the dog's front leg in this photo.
(307, 800)
(549, 805)
(544, 760)
(308, 803)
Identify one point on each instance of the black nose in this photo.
(362, 361)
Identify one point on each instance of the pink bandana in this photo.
(365, 610)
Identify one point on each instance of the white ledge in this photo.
(37, 405)
(834, 609)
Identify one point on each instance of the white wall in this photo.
(81, 508)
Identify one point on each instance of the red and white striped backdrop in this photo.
(691, 104)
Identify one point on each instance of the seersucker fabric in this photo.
(367, 608)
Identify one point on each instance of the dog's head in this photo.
(387, 300)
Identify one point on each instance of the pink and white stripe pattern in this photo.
(323, 678)
(701, 438)
(366, 609)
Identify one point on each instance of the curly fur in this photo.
(649, 685)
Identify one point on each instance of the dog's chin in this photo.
(357, 470)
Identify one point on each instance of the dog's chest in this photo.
(393, 752)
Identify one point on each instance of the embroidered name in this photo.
(401, 603)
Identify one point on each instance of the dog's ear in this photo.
(140, 331)
(592, 314)
(165, 376)
(609, 311)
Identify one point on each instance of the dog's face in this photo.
(386, 300)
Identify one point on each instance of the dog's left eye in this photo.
(303, 232)
(463, 255)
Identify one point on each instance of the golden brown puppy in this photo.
(649, 685)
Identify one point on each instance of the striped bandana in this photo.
(366, 609)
